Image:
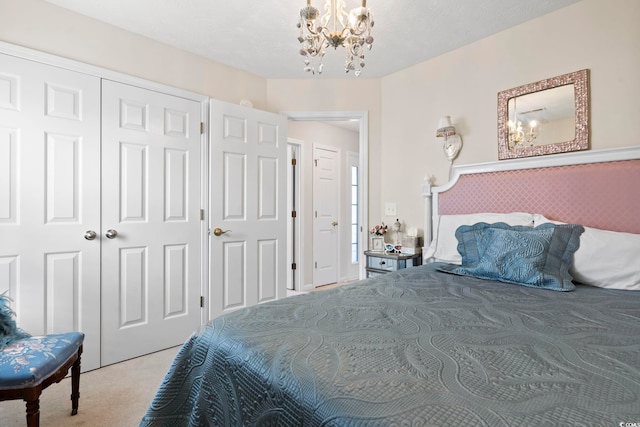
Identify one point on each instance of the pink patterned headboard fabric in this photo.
(601, 195)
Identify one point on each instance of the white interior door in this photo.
(49, 198)
(151, 282)
(326, 207)
(248, 187)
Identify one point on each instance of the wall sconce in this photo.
(452, 141)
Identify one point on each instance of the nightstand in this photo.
(381, 263)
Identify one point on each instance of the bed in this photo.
(430, 346)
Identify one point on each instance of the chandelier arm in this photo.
(361, 26)
(314, 32)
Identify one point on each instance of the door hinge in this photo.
(316, 162)
(316, 214)
(293, 214)
(201, 214)
(316, 264)
(293, 162)
(201, 128)
(201, 302)
(293, 266)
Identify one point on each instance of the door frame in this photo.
(362, 117)
(352, 159)
(295, 236)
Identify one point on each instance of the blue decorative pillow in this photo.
(9, 332)
(539, 257)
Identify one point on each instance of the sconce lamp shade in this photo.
(445, 128)
(452, 142)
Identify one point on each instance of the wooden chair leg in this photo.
(75, 384)
(33, 413)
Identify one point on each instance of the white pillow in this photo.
(444, 246)
(606, 259)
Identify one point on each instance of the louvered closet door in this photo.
(151, 203)
(50, 198)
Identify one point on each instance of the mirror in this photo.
(547, 117)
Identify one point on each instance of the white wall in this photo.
(594, 34)
(311, 132)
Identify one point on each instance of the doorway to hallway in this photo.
(351, 221)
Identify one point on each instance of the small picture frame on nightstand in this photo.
(376, 244)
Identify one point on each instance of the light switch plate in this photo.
(390, 209)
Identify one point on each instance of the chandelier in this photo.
(335, 28)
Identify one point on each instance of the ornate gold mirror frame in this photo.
(546, 117)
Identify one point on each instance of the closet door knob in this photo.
(90, 235)
(111, 233)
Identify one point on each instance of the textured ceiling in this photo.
(260, 36)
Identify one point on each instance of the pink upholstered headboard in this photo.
(599, 189)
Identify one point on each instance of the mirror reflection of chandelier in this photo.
(335, 28)
(517, 136)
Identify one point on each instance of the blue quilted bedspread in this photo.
(413, 348)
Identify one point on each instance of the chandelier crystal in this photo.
(333, 29)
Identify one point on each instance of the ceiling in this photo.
(260, 36)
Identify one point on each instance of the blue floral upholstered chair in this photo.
(29, 364)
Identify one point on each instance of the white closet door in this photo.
(50, 198)
(248, 185)
(151, 282)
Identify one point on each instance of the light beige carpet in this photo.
(114, 396)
